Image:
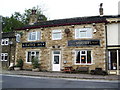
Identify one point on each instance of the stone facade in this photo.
(68, 55)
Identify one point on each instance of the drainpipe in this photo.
(106, 55)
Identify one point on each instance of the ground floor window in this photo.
(4, 56)
(83, 57)
(31, 55)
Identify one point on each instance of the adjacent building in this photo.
(8, 44)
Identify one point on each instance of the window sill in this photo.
(28, 62)
(83, 64)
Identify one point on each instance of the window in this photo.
(18, 37)
(34, 36)
(4, 56)
(83, 33)
(5, 41)
(83, 57)
(31, 55)
(56, 35)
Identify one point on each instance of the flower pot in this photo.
(36, 70)
(16, 68)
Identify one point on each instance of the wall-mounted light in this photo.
(27, 30)
(94, 26)
(42, 29)
(10, 42)
(72, 26)
(64, 61)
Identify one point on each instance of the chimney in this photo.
(101, 9)
(33, 17)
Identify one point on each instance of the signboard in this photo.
(34, 44)
(84, 43)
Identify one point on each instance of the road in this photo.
(19, 81)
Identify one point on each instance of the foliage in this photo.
(35, 63)
(19, 63)
(17, 19)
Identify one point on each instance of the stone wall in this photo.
(67, 53)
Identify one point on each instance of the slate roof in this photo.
(69, 21)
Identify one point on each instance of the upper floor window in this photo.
(83, 57)
(56, 34)
(4, 56)
(83, 33)
(5, 41)
(34, 36)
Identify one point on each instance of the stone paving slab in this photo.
(63, 75)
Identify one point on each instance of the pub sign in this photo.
(34, 44)
(84, 43)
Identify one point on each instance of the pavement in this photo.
(62, 75)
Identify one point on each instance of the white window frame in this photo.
(57, 32)
(5, 40)
(88, 31)
(36, 34)
(32, 55)
(83, 55)
(4, 55)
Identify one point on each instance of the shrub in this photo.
(19, 63)
(35, 63)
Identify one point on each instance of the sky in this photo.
(60, 9)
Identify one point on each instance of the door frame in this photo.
(59, 59)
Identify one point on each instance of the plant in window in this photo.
(35, 64)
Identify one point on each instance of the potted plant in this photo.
(35, 64)
(19, 65)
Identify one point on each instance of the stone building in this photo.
(66, 42)
(8, 44)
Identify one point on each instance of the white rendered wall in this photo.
(112, 34)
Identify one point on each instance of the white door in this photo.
(56, 59)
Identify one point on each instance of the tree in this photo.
(17, 19)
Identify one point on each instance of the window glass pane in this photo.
(77, 33)
(3, 42)
(89, 32)
(88, 56)
(37, 54)
(29, 57)
(77, 56)
(83, 34)
(83, 59)
(6, 42)
(2, 58)
(56, 52)
(6, 57)
(32, 36)
(56, 34)
(83, 52)
(38, 35)
(56, 59)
